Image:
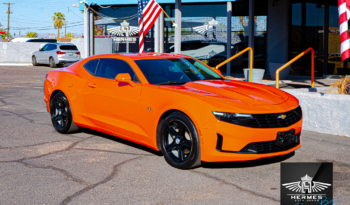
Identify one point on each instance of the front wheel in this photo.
(61, 114)
(34, 62)
(179, 141)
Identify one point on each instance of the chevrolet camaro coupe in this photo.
(175, 104)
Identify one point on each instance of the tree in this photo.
(59, 20)
(3, 36)
(71, 35)
(31, 34)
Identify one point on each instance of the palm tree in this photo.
(31, 34)
(59, 20)
(71, 35)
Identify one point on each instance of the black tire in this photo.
(178, 134)
(34, 62)
(61, 114)
(52, 63)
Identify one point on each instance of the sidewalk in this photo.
(294, 84)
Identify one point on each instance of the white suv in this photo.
(56, 53)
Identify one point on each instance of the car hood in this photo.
(233, 91)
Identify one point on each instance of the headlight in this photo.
(234, 118)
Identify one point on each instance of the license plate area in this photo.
(286, 138)
(70, 54)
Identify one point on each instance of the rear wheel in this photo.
(34, 62)
(61, 114)
(179, 141)
(52, 63)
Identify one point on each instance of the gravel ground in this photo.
(40, 166)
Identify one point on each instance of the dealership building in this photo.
(213, 30)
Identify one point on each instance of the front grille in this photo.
(275, 120)
(268, 147)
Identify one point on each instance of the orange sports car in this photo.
(175, 104)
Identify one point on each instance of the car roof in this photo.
(63, 44)
(151, 55)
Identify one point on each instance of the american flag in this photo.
(149, 11)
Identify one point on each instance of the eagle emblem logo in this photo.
(306, 183)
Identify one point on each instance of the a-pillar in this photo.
(177, 42)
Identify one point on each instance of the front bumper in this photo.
(235, 138)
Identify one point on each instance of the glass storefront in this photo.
(240, 34)
(307, 29)
(112, 18)
(204, 33)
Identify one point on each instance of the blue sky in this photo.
(36, 15)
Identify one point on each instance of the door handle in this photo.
(93, 85)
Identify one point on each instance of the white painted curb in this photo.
(324, 112)
(16, 64)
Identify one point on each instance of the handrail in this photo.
(238, 54)
(293, 60)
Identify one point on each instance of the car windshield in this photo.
(175, 71)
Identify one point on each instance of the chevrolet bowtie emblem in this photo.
(282, 117)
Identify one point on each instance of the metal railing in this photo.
(238, 54)
(295, 59)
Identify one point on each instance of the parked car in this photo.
(55, 54)
(175, 104)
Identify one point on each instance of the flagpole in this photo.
(168, 16)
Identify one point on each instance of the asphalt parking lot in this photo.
(40, 166)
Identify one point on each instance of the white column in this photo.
(156, 36)
(86, 32)
(161, 33)
(177, 42)
(228, 48)
(251, 26)
(92, 35)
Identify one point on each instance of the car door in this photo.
(46, 54)
(41, 55)
(111, 105)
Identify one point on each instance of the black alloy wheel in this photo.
(34, 62)
(61, 115)
(52, 63)
(180, 141)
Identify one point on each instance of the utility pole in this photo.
(65, 28)
(8, 18)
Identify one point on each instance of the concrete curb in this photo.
(324, 112)
(16, 64)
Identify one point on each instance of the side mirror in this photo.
(125, 78)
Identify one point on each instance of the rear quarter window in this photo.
(70, 48)
(91, 66)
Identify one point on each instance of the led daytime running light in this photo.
(228, 115)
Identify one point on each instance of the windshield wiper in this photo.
(172, 83)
